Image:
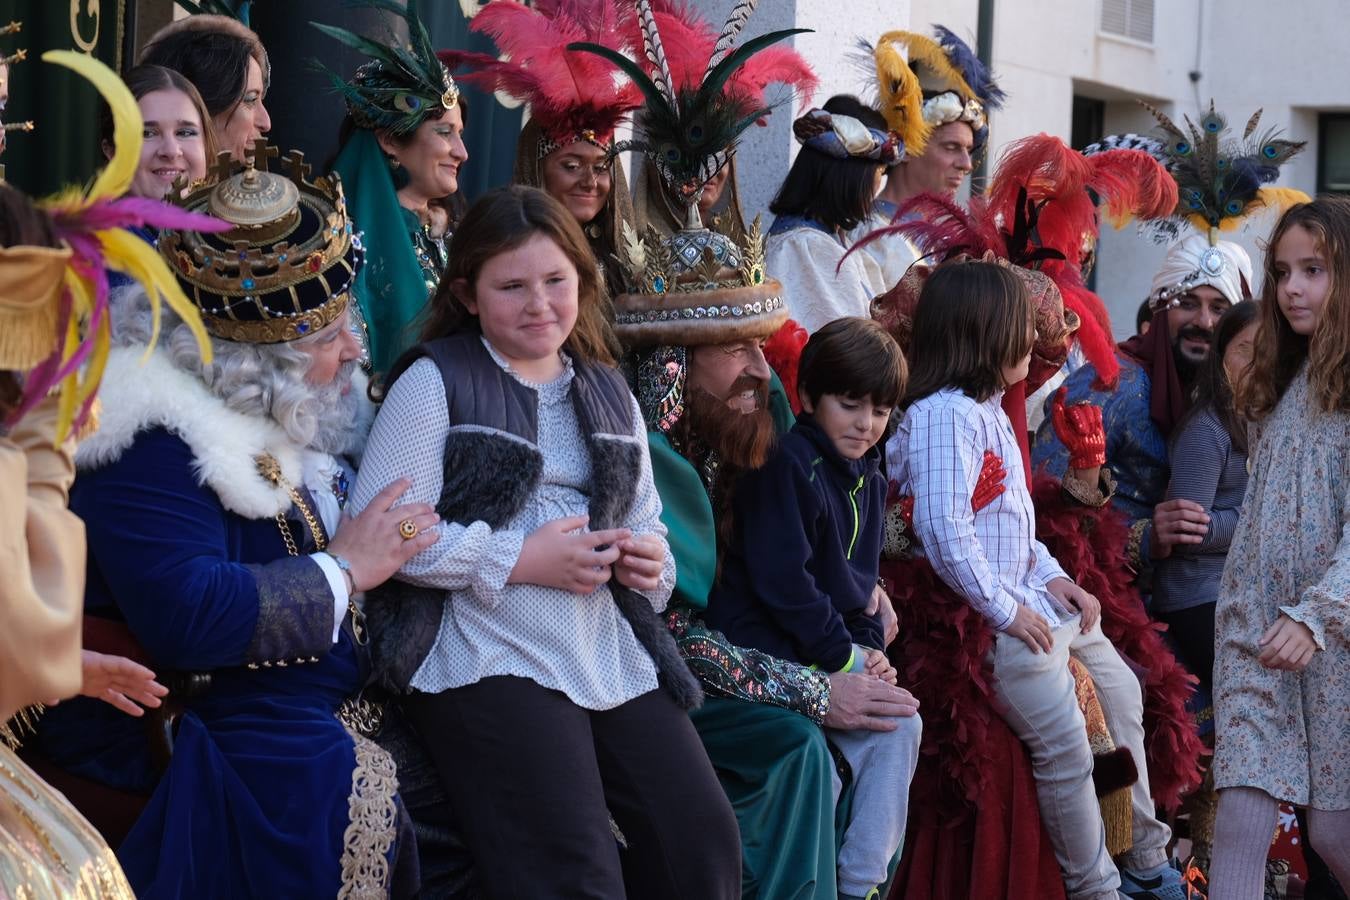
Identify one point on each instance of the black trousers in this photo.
(533, 779)
(1192, 632)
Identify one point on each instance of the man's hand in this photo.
(1080, 429)
(878, 666)
(880, 605)
(1030, 627)
(1072, 597)
(861, 702)
(1177, 522)
(1287, 645)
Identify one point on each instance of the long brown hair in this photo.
(973, 319)
(1213, 390)
(500, 221)
(1278, 352)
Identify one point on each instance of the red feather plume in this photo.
(783, 352)
(568, 92)
(689, 40)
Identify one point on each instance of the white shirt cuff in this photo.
(337, 583)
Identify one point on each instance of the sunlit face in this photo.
(526, 302)
(1191, 320)
(712, 191)
(735, 372)
(945, 163)
(433, 157)
(1238, 354)
(329, 350)
(240, 125)
(579, 176)
(174, 144)
(853, 426)
(1302, 281)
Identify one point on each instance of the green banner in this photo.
(63, 148)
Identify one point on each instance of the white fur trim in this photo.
(138, 396)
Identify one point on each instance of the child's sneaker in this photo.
(1162, 882)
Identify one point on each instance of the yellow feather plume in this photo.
(900, 95)
(116, 177)
(928, 53)
(127, 253)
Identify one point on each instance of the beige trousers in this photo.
(1034, 692)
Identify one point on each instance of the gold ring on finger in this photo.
(407, 529)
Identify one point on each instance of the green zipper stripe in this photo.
(853, 501)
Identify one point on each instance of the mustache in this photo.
(1195, 333)
(749, 383)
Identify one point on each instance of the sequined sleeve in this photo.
(726, 670)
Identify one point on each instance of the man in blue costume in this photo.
(212, 497)
(1195, 285)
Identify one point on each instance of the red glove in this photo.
(1079, 426)
(990, 483)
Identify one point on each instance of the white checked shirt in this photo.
(990, 557)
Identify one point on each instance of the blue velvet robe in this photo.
(255, 800)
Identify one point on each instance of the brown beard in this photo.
(741, 440)
(738, 441)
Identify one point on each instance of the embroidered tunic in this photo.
(803, 256)
(581, 646)
(1288, 733)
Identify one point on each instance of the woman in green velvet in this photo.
(400, 150)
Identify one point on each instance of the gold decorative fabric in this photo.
(31, 279)
(373, 822)
(47, 849)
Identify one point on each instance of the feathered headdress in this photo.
(400, 86)
(924, 83)
(91, 222)
(572, 96)
(1220, 180)
(689, 125)
(1038, 214)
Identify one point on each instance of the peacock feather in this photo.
(1222, 179)
(689, 130)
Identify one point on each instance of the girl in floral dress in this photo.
(1282, 672)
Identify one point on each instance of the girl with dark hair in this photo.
(178, 139)
(226, 62)
(828, 191)
(526, 642)
(401, 148)
(1282, 667)
(957, 455)
(1209, 467)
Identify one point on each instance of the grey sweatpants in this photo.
(883, 765)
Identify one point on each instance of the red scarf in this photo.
(1168, 401)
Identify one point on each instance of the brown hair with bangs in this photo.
(854, 358)
(973, 319)
(502, 220)
(1278, 352)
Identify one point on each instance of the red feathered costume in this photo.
(974, 827)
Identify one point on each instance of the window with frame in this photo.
(1333, 153)
(1132, 19)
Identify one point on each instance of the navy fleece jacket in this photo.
(804, 553)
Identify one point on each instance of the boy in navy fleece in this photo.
(799, 579)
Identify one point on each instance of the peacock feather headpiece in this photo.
(572, 96)
(402, 84)
(924, 83)
(688, 127)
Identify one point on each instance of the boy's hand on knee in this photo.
(880, 605)
(878, 666)
(1073, 597)
(1030, 627)
(1287, 645)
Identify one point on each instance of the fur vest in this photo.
(492, 470)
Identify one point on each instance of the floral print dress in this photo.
(1288, 733)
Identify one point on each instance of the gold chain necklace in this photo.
(270, 469)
